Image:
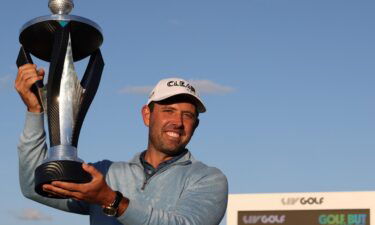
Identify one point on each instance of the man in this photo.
(162, 185)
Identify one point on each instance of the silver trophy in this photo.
(63, 39)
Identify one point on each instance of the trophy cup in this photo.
(61, 40)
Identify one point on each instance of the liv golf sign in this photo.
(336, 208)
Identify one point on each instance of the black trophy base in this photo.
(62, 170)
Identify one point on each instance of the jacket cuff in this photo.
(136, 213)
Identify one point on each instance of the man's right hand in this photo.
(27, 76)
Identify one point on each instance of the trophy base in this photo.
(61, 170)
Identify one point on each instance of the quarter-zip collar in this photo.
(149, 170)
(184, 160)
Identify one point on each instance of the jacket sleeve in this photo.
(32, 149)
(202, 203)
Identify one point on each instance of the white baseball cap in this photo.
(170, 87)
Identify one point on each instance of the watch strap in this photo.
(112, 209)
(115, 204)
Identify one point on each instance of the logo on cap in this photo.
(181, 84)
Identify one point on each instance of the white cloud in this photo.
(32, 214)
(210, 87)
(203, 87)
(140, 90)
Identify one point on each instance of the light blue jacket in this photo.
(185, 192)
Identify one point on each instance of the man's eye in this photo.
(188, 115)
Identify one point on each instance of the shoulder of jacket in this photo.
(103, 165)
(199, 170)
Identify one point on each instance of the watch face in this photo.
(109, 211)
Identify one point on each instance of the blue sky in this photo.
(289, 88)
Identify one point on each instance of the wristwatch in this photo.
(112, 209)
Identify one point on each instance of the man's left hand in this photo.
(95, 192)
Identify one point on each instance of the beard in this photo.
(161, 143)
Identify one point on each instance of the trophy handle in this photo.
(90, 83)
(37, 88)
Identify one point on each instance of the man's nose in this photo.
(178, 120)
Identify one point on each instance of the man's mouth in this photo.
(173, 134)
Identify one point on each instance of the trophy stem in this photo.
(69, 98)
(62, 152)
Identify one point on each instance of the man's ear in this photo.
(146, 113)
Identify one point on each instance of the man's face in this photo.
(171, 126)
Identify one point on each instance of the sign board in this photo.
(336, 208)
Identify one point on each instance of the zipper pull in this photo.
(144, 185)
